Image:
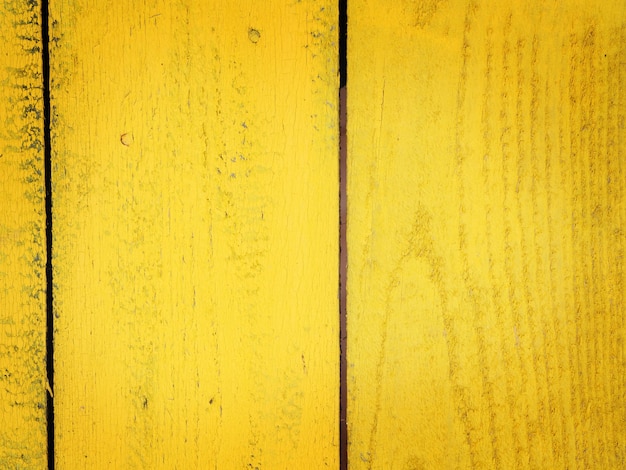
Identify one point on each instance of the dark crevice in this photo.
(343, 257)
(343, 40)
(48, 202)
(343, 264)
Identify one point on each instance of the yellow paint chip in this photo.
(254, 35)
(127, 139)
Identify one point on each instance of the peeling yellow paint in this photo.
(22, 241)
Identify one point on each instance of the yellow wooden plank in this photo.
(486, 320)
(23, 438)
(195, 212)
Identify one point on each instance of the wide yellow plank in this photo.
(23, 438)
(195, 179)
(486, 234)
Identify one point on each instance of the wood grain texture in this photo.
(195, 179)
(22, 240)
(486, 199)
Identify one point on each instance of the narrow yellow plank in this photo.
(195, 212)
(486, 234)
(23, 438)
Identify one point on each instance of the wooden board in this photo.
(195, 191)
(23, 437)
(486, 234)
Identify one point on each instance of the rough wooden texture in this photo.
(486, 198)
(195, 179)
(22, 240)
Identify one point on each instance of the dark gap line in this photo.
(343, 42)
(343, 264)
(343, 250)
(45, 50)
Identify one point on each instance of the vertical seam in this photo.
(45, 51)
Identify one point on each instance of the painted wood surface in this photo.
(195, 169)
(23, 437)
(486, 233)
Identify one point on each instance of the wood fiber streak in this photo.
(195, 169)
(23, 438)
(486, 208)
